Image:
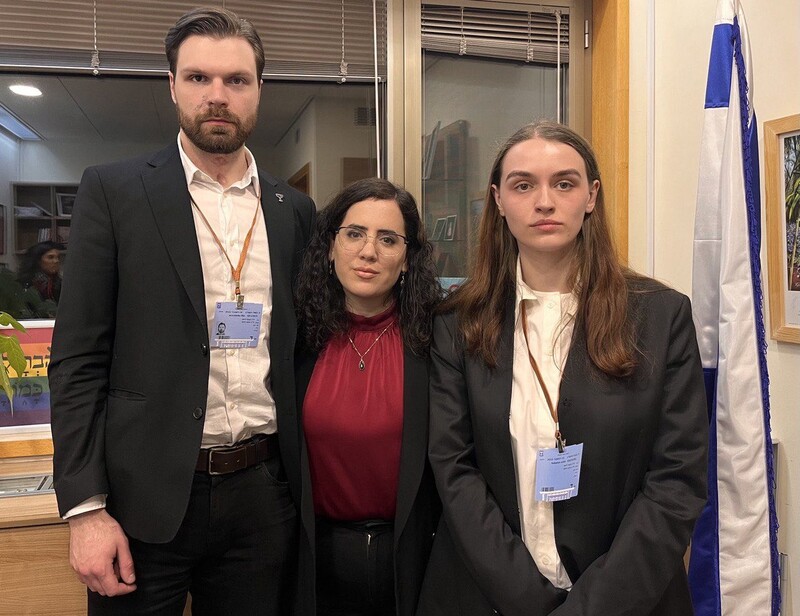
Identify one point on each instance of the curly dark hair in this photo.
(320, 296)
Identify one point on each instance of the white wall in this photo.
(682, 44)
(337, 138)
(296, 149)
(9, 165)
(323, 134)
(64, 162)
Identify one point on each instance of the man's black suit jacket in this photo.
(642, 484)
(418, 507)
(130, 353)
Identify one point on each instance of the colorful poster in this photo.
(31, 390)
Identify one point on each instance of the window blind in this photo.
(302, 39)
(512, 35)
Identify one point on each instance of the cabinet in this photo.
(34, 544)
(41, 212)
(34, 548)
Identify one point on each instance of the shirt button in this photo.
(551, 304)
(231, 352)
(197, 413)
(204, 349)
(546, 560)
(232, 405)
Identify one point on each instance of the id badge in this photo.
(236, 328)
(558, 474)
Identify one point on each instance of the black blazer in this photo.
(642, 484)
(418, 506)
(130, 353)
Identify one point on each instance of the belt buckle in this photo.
(211, 453)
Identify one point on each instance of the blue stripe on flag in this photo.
(720, 67)
(753, 199)
(704, 563)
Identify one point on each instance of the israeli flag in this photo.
(734, 561)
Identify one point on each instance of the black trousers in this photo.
(355, 568)
(235, 552)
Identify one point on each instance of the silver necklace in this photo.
(361, 356)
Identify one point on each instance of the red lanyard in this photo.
(236, 272)
(560, 442)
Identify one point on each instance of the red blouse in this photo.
(353, 421)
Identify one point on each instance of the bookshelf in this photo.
(41, 212)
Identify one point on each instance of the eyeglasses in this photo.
(387, 244)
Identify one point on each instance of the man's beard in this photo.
(217, 139)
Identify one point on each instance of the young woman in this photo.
(40, 269)
(568, 415)
(366, 295)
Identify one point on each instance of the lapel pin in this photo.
(280, 197)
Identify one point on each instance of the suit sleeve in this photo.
(494, 555)
(81, 349)
(646, 552)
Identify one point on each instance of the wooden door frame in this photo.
(304, 173)
(610, 110)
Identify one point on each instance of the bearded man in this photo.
(176, 446)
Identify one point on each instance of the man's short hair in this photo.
(214, 22)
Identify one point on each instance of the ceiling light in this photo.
(24, 90)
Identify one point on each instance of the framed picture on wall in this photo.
(782, 157)
(64, 203)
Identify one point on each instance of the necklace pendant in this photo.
(361, 365)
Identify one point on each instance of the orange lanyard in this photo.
(236, 272)
(560, 442)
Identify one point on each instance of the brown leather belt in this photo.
(224, 460)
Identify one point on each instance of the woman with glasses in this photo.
(568, 430)
(365, 296)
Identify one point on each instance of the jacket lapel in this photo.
(280, 222)
(414, 447)
(305, 363)
(576, 374)
(498, 398)
(168, 196)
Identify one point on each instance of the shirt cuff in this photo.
(90, 504)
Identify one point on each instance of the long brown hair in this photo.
(599, 279)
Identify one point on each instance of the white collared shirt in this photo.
(240, 402)
(550, 325)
